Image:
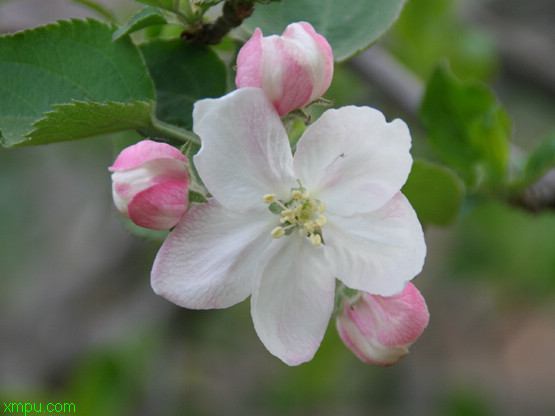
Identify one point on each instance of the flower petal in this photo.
(353, 160)
(245, 151)
(127, 182)
(376, 252)
(286, 82)
(292, 305)
(161, 206)
(210, 259)
(316, 51)
(250, 63)
(380, 329)
(144, 151)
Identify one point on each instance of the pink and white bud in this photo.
(379, 329)
(150, 184)
(293, 69)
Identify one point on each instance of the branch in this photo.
(234, 12)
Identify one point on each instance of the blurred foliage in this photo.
(111, 381)
(435, 192)
(465, 402)
(468, 127)
(429, 30)
(507, 248)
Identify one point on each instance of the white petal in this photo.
(377, 252)
(292, 306)
(245, 151)
(210, 259)
(353, 160)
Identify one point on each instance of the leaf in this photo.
(60, 72)
(89, 118)
(435, 192)
(349, 27)
(97, 8)
(148, 16)
(171, 5)
(540, 161)
(182, 73)
(431, 30)
(468, 127)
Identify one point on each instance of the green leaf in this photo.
(88, 118)
(431, 30)
(182, 73)
(349, 27)
(97, 8)
(468, 127)
(540, 161)
(68, 80)
(148, 16)
(171, 5)
(435, 192)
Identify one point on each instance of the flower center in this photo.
(299, 212)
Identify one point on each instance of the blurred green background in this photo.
(79, 321)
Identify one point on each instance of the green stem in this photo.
(175, 132)
(186, 11)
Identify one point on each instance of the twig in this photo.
(233, 14)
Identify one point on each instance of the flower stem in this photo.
(175, 132)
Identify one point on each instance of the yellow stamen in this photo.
(321, 221)
(269, 198)
(278, 232)
(287, 212)
(296, 194)
(315, 239)
(309, 226)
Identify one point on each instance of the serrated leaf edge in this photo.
(74, 103)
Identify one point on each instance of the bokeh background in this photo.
(80, 323)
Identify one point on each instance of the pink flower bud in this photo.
(379, 329)
(150, 184)
(293, 69)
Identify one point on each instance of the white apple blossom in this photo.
(281, 228)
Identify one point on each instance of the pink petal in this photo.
(249, 62)
(376, 252)
(379, 330)
(321, 55)
(161, 206)
(293, 69)
(353, 160)
(144, 151)
(211, 259)
(126, 183)
(286, 80)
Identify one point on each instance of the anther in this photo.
(321, 221)
(278, 232)
(296, 194)
(269, 198)
(287, 212)
(315, 239)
